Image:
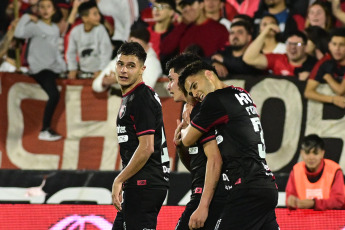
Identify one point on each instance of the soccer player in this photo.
(252, 192)
(140, 130)
(205, 162)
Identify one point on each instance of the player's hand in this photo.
(198, 218)
(218, 57)
(339, 101)
(116, 194)
(292, 202)
(177, 135)
(186, 115)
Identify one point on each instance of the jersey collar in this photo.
(129, 92)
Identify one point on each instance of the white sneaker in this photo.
(49, 135)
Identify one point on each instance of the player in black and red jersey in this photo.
(207, 198)
(140, 130)
(252, 192)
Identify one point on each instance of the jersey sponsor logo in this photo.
(121, 129)
(243, 98)
(122, 138)
(285, 72)
(122, 111)
(239, 181)
(166, 169)
(219, 139)
(141, 182)
(193, 150)
(198, 190)
(251, 110)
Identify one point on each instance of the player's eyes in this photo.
(190, 94)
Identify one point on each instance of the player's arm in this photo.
(190, 135)
(138, 160)
(213, 170)
(338, 88)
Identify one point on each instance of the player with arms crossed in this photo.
(207, 199)
(252, 192)
(140, 130)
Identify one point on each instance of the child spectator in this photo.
(90, 42)
(44, 58)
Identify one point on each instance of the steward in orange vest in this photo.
(315, 182)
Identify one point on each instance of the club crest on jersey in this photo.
(122, 111)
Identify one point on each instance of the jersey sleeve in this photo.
(211, 114)
(144, 116)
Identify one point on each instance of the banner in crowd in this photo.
(87, 121)
(101, 217)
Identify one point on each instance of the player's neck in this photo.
(126, 89)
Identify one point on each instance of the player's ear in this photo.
(209, 75)
(142, 69)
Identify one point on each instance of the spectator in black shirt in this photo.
(229, 61)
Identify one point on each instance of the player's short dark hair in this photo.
(179, 62)
(83, 9)
(171, 3)
(244, 24)
(133, 48)
(337, 32)
(141, 33)
(193, 69)
(311, 142)
(299, 34)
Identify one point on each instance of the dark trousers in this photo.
(47, 80)
(140, 209)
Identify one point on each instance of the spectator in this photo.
(248, 7)
(44, 58)
(319, 15)
(317, 45)
(287, 21)
(337, 10)
(271, 44)
(163, 12)
(213, 9)
(90, 42)
(330, 69)
(296, 62)
(195, 29)
(152, 72)
(315, 182)
(229, 61)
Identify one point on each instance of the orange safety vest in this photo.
(321, 188)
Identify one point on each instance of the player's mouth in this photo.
(123, 78)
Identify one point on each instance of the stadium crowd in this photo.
(78, 39)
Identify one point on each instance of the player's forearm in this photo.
(213, 170)
(313, 95)
(190, 135)
(137, 162)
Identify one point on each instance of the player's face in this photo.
(312, 158)
(199, 86)
(295, 48)
(46, 9)
(173, 87)
(129, 71)
(337, 48)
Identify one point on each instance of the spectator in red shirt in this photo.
(330, 69)
(196, 29)
(163, 12)
(315, 182)
(296, 62)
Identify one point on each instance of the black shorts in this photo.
(214, 212)
(140, 208)
(252, 209)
